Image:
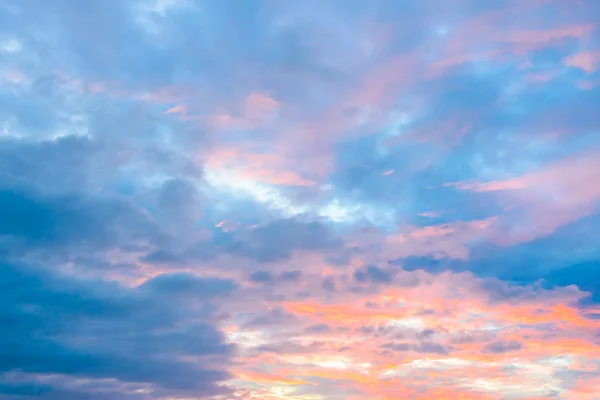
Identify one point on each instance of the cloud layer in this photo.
(334, 200)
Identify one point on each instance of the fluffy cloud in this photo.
(98, 330)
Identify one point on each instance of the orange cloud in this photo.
(425, 341)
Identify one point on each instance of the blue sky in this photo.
(304, 200)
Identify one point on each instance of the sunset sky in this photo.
(299, 199)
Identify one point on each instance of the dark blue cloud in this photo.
(328, 284)
(272, 317)
(318, 328)
(423, 347)
(291, 276)
(274, 241)
(277, 240)
(500, 347)
(372, 274)
(99, 330)
(187, 285)
(34, 221)
(261, 277)
(268, 277)
(53, 165)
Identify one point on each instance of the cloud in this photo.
(588, 61)
(180, 204)
(528, 40)
(426, 348)
(98, 330)
(502, 347)
(372, 274)
(279, 239)
(328, 284)
(187, 285)
(261, 277)
(548, 198)
(292, 276)
(343, 200)
(470, 334)
(67, 162)
(35, 221)
(266, 277)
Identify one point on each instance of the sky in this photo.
(299, 200)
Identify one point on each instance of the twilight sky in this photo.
(299, 200)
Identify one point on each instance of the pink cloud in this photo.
(589, 61)
(268, 167)
(527, 40)
(511, 184)
(546, 199)
(587, 85)
(254, 111)
(178, 109)
(14, 76)
(498, 34)
(258, 104)
(542, 77)
(446, 240)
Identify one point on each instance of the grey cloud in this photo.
(272, 317)
(422, 347)
(318, 328)
(269, 277)
(372, 274)
(328, 284)
(188, 285)
(280, 238)
(261, 277)
(500, 347)
(291, 276)
(97, 329)
(72, 221)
